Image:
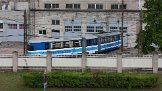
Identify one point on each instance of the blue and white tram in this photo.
(108, 42)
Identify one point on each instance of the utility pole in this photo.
(140, 39)
(122, 19)
(25, 33)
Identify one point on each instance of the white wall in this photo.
(66, 62)
(127, 62)
(41, 62)
(102, 62)
(135, 62)
(5, 62)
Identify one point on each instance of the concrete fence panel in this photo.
(6, 62)
(35, 62)
(160, 62)
(66, 62)
(137, 62)
(101, 62)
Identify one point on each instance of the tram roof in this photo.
(88, 36)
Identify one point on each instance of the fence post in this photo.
(84, 56)
(49, 61)
(155, 57)
(14, 61)
(119, 62)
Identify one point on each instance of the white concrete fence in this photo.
(116, 62)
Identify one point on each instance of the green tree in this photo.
(152, 34)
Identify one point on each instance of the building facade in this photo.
(76, 18)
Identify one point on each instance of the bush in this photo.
(34, 80)
(78, 79)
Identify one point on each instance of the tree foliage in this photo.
(152, 33)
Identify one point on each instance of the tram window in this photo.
(113, 38)
(76, 44)
(30, 48)
(46, 46)
(107, 39)
(92, 42)
(66, 44)
(103, 40)
(119, 38)
(56, 45)
(110, 39)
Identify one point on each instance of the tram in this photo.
(95, 43)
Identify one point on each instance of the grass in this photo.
(13, 82)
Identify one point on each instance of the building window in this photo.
(77, 28)
(42, 32)
(73, 6)
(91, 6)
(51, 6)
(95, 6)
(12, 26)
(55, 5)
(55, 22)
(118, 6)
(124, 6)
(69, 6)
(1, 25)
(76, 6)
(21, 26)
(68, 28)
(99, 6)
(47, 6)
(114, 6)
(99, 29)
(90, 28)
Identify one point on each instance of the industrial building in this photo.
(75, 18)
(69, 18)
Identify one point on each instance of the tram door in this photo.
(47, 46)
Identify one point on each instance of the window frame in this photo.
(69, 6)
(12, 26)
(99, 29)
(21, 26)
(78, 6)
(47, 6)
(118, 6)
(98, 6)
(77, 28)
(72, 6)
(42, 32)
(68, 28)
(55, 6)
(1, 25)
(90, 29)
(55, 22)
